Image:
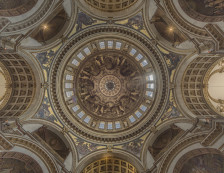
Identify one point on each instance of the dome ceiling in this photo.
(109, 86)
(112, 86)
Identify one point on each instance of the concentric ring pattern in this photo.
(107, 86)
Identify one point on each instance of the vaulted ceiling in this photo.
(90, 86)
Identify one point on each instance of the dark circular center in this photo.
(110, 85)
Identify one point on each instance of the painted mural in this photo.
(84, 20)
(206, 163)
(54, 141)
(14, 166)
(136, 22)
(45, 111)
(163, 140)
(14, 162)
(84, 148)
(207, 7)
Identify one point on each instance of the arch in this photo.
(164, 30)
(182, 123)
(54, 30)
(166, 164)
(23, 85)
(34, 150)
(71, 160)
(27, 78)
(120, 154)
(163, 140)
(52, 140)
(50, 29)
(28, 20)
(112, 6)
(110, 164)
(200, 30)
(186, 26)
(189, 85)
(20, 162)
(213, 86)
(192, 84)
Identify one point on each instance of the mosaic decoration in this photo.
(84, 20)
(134, 147)
(45, 58)
(136, 23)
(171, 109)
(84, 148)
(45, 112)
(172, 61)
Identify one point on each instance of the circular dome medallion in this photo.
(109, 84)
(109, 88)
